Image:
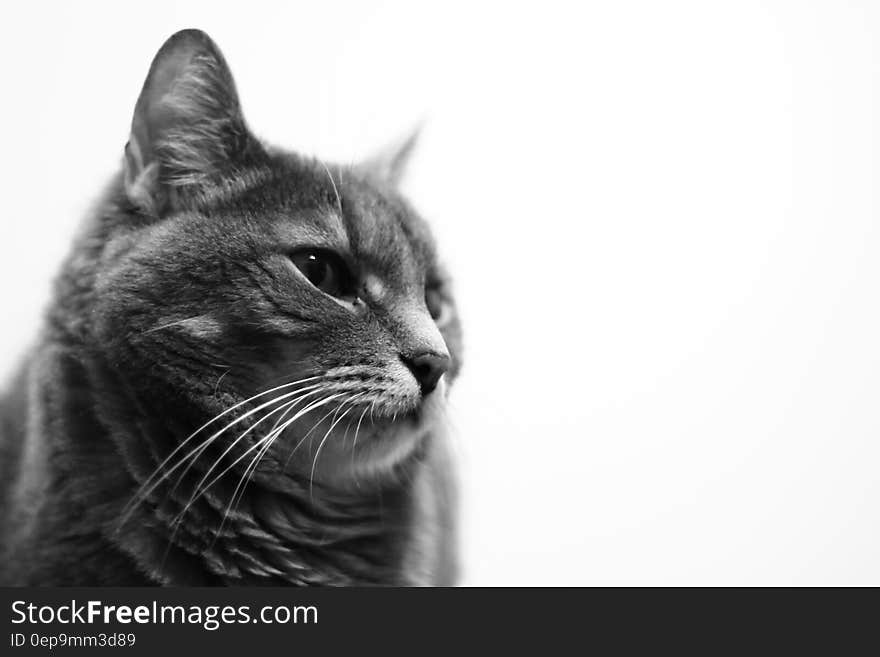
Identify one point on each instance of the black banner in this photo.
(564, 621)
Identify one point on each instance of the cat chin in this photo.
(396, 441)
(386, 443)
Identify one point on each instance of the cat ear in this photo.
(391, 162)
(187, 124)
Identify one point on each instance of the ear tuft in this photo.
(187, 124)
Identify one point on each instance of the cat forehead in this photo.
(360, 215)
(312, 204)
(377, 221)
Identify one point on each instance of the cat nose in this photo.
(427, 367)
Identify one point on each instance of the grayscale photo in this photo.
(387, 294)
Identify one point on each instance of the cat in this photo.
(243, 372)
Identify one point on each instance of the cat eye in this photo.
(438, 306)
(326, 271)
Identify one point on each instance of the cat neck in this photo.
(280, 530)
(301, 535)
(101, 445)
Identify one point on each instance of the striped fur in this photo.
(194, 410)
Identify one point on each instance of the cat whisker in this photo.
(335, 190)
(309, 432)
(192, 457)
(311, 406)
(318, 451)
(232, 445)
(249, 471)
(356, 432)
(348, 424)
(198, 491)
(319, 422)
(214, 419)
(178, 519)
(266, 442)
(351, 402)
(220, 380)
(176, 322)
(355, 442)
(280, 419)
(316, 389)
(152, 483)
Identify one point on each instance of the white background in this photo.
(662, 222)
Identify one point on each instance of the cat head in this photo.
(299, 304)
